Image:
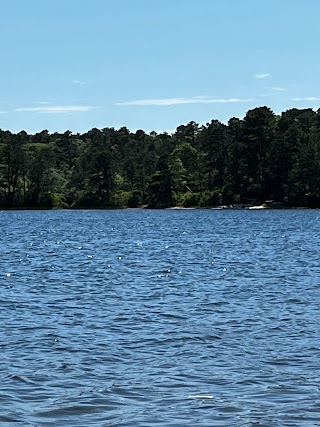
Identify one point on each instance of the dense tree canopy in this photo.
(262, 157)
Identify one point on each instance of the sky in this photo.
(153, 64)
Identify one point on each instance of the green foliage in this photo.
(120, 199)
(135, 199)
(262, 157)
(190, 200)
(58, 201)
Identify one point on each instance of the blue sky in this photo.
(153, 64)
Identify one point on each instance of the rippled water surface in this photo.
(160, 318)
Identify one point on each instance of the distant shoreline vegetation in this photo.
(265, 160)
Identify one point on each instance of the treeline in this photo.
(262, 157)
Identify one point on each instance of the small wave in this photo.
(201, 396)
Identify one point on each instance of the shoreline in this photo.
(172, 208)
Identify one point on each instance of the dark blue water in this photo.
(160, 318)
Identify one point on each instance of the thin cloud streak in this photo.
(78, 82)
(181, 101)
(307, 98)
(58, 109)
(279, 89)
(262, 76)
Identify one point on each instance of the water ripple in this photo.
(169, 318)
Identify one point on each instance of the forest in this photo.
(261, 158)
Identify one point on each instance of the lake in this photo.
(160, 318)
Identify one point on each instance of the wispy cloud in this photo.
(78, 82)
(3, 112)
(57, 109)
(187, 100)
(260, 76)
(307, 98)
(279, 89)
